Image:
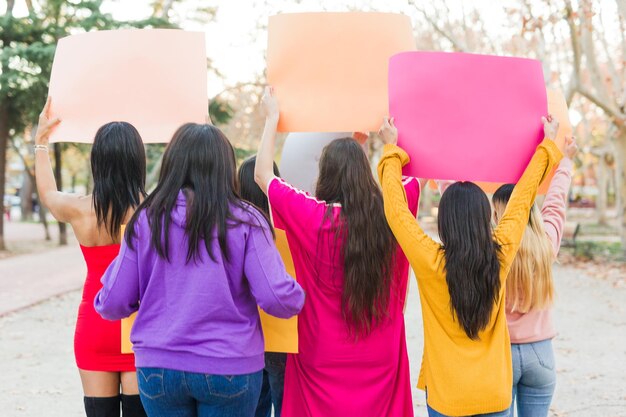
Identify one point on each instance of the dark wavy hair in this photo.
(368, 250)
(200, 161)
(249, 190)
(471, 255)
(118, 165)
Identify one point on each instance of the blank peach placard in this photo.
(329, 70)
(155, 79)
(557, 106)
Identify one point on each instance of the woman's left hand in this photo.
(46, 125)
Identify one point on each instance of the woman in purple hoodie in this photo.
(195, 263)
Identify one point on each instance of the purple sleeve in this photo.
(555, 204)
(275, 291)
(119, 296)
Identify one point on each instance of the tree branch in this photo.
(575, 78)
(455, 43)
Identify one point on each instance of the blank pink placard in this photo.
(467, 117)
(155, 79)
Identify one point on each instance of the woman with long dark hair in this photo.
(195, 262)
(466, 368)
(118, 165)
(352, 356)
(273, 385)
(530, 292)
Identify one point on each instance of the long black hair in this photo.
(118, 165)
(200, 161)
(345, 177)
(249, 190)
(471, 255)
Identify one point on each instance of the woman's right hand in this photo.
(270, 104)
(550, 127)
(46, 124)
(388, 132)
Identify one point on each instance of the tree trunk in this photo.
(43, 219)
(26, 196)
(58, 169)
(621, 186)
(601, 201)
(4, 142)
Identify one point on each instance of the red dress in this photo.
(97, 342)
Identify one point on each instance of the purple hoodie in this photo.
(200, 316)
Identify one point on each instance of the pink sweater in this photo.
(536, 325)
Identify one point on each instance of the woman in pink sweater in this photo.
(530, 292)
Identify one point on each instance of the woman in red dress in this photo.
(118, 165)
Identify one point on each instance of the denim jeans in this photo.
(534, 378)
(433, 413)
(273, 385)
(166, 392)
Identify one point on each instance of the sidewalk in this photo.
(26, 279)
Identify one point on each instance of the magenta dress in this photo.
(334, 375)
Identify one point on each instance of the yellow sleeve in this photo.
(418, 247)
(511, 227)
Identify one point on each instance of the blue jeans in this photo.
(534, 378)
(273, 385)
(166, 392)
(433, 413)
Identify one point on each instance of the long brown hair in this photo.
(471, 255)
(345, 177)
(529, 284)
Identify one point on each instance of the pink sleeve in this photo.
(555, 203)
(294, 210)
(412, 190)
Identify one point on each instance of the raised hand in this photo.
(270, 104)
(550, 126)
(46, 124)
(570, 147)
(388, 132)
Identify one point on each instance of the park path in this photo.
(28, 279)
(38, 376)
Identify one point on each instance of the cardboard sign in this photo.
(281, 335)
(155, 79)
(299, 161)
(467, 117)
(557, 106)
(329, 70)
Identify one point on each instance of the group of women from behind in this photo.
(196, 259)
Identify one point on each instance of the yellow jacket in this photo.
(463, 376)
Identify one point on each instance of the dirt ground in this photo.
(38, 376)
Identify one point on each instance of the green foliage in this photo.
(220, 112)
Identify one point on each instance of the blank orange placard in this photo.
(329, 70)
(155, 79)
(557, 106)
(281, 335)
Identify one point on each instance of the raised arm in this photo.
(119, 296)
(419, 248)
(511, 227)
(555, 203)
(264, 167)
(63, 206)
(275, 291)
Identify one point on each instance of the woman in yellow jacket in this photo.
(466, 367)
